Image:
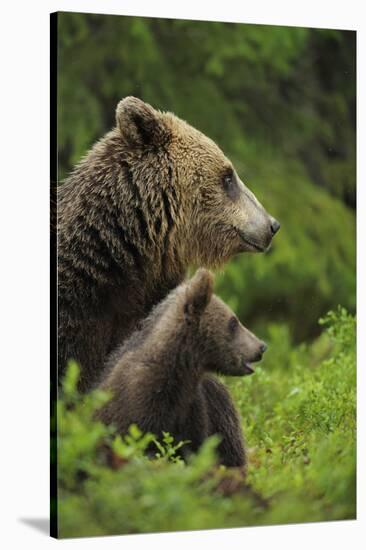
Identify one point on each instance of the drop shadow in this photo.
(40, 524)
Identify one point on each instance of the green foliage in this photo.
(298, 413)
(280, 101)
(292, 89)
(299, 417)
(167, 449)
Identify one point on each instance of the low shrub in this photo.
(299, 421)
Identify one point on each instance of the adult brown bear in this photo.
(152, 197)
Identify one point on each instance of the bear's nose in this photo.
(275, 225)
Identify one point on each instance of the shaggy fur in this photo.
(151, 198)
(161, 378)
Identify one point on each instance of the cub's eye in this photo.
(233, 325)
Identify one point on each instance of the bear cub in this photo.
(162, 378)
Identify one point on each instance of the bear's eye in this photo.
(230, 185)
(228, 181)
(233, 325)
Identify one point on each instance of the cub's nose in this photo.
(275, 225)
(261, 350)
(263, 347)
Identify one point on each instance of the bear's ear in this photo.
(198, 294)
(140, 124)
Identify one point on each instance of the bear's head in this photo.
(215, 215)
(224, 344)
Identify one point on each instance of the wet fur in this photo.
(144, 204)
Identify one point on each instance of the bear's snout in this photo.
(275, 226)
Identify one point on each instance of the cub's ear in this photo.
(198, 294)
(140, 124)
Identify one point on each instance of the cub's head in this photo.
(215, 214)
(224, 344)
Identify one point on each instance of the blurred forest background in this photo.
(281, 104)
(279, 101)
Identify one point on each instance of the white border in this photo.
(24, 130)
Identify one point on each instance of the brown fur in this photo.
(161, 378)
(149, 199)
